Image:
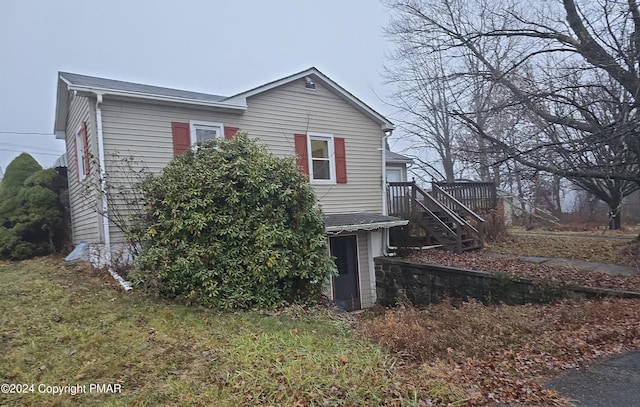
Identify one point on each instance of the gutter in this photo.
(123, 283)
(148, 96)
(366, 226)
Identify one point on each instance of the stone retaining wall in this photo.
(425, 284)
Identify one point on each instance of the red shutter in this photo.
(75, 140)
(341, 160)
(85, 147)
(301, 152)
(230, 132)
(181, 137)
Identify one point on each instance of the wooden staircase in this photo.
(447, 221)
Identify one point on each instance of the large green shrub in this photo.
(231, 226)
(16, 174)
(31, 214)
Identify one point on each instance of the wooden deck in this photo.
(439, 217)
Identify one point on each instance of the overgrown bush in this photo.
(231, 226)
(31, 213)
(495, 229)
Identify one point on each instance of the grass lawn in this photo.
(66, 326)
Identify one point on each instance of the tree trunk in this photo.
(615, 215)
(52, 245)
(557, 202)
(448, 166)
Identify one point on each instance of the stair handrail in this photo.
(455, 218)
(462, 206)
(458, 220)
(415, 188)
(433, 216)
(480, 230)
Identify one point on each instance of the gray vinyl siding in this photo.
(85, 220)
(143, 131)
(292, 109)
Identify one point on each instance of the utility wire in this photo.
(31, 152)
(31, 147)
(32, 133)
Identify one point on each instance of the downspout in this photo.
(387, 134)
(385, 210)
(103, 180)
(103, 191)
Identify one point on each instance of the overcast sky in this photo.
(216, 46)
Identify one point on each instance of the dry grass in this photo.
(506, 353)
(521, 268)
(623, 252)
(71, 326)
(501, 353)
(587, 230)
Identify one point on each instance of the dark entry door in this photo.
(346, 292)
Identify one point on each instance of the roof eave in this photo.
(64, 86)
(366, 226)
(159, 98)
(62, 103)
(385, 124)
(400, 161)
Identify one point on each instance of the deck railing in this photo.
(451, 202)
(477, 196)
(406, 199)
(399, 196)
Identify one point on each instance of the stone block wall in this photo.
(424, 284)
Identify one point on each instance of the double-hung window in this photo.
(82, 152)
(202, 131)
(321, 158)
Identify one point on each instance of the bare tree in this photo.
(423, 97)
(570, 67)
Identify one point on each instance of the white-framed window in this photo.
(201, 131)
(82, 152)
(394, 175)
(322, 165)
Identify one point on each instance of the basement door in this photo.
(346, 290)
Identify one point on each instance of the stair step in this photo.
(443, 231)
(464, 249)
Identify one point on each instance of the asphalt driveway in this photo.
(613, 382)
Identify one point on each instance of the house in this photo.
(339, 142)
(396, 167)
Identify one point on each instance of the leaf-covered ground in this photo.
(596, 248)
(521, 268)
(503, 354)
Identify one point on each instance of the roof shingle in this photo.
(111, 84)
